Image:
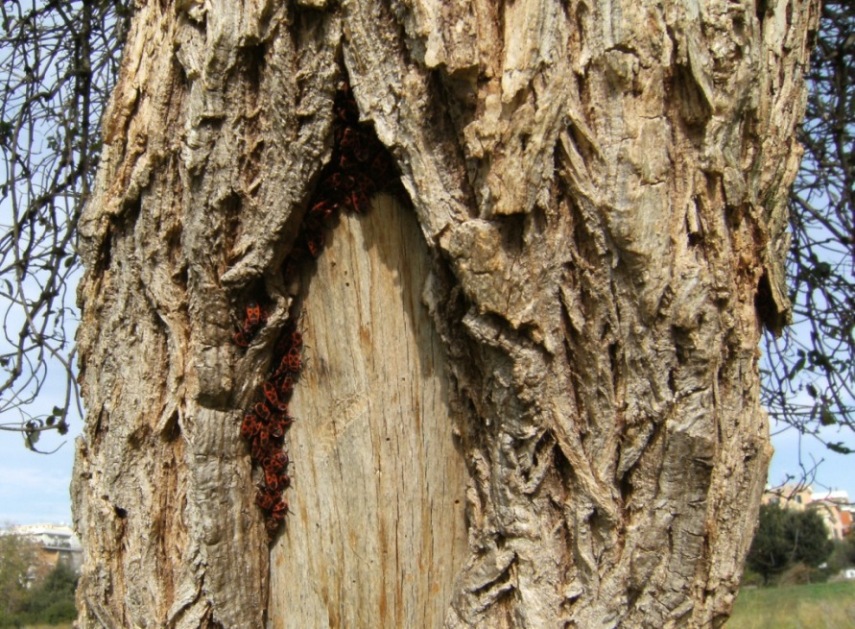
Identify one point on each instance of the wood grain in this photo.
(377, 498)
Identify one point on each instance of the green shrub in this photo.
(52, 600)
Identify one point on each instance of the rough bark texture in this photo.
(600, 188)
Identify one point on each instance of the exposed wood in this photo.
(377, 534)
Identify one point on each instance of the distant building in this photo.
(56, 543)
(835, 507)
(836, 512)
(791, 497)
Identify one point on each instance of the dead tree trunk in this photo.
(530, 392)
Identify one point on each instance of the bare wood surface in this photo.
(376, 532)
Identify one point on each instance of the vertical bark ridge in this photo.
(650, 123)
(195, 198)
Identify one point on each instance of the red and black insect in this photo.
(254, 319)
(291, 364)
(278, 425)
(277, 461)
(276, 480)
(275, 517)
(284, 384)
(262, 410)
(267, 498)
(271, 393)
(315, 244)
(250, 426)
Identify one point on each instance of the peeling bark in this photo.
(600, 190)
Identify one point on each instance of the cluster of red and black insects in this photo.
(360, 167)
(264, 425)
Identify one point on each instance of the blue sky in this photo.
(34, 487)
(793, 453)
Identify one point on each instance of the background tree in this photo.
(600, 190)
(50, 600)
(810, 370)
(849, 549)
(785, 537)
(849, 546)
(843, 555)
(17, 557)
(59, 60)
(31, 590)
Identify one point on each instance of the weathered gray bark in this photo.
(600, 188)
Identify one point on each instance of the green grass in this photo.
(816, 606)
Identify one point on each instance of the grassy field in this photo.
(817, 606)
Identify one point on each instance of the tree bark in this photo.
(598, 190)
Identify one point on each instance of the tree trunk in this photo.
(549, 342)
